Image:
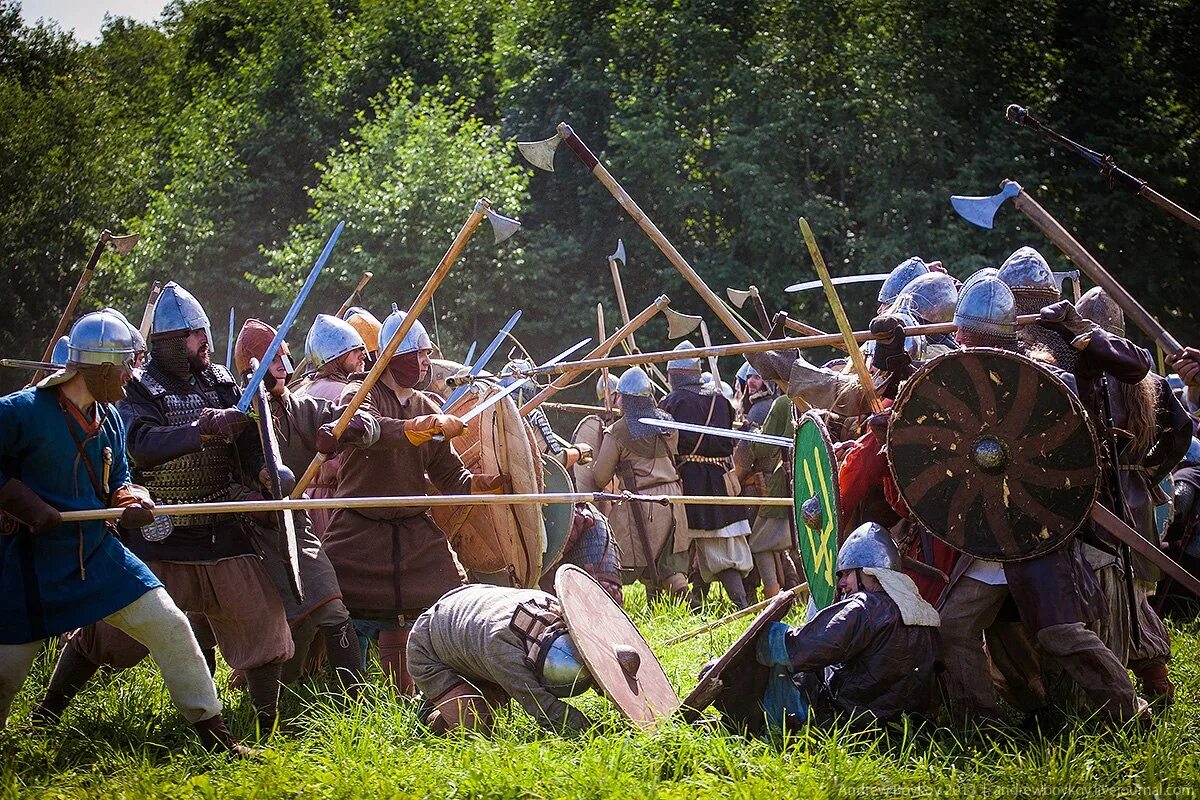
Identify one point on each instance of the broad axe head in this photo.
(541, 154)
(619, 253)
(122, 244)
(982, 210)
(502, 226)
(679, 324)
(739, 297)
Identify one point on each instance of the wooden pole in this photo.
(385, 354)
(566, 376)
(839, 314)
(651, 230)
(333, 503)
(1092, 268)
(725, 620)
(800, 343)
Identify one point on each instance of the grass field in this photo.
(122, 738)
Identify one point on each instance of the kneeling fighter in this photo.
(479, 646)
(872, 652)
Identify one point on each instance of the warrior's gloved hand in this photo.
(1063, 319)
(486, 483)
(354, 435)
(1183, 513)
(24, 504)
(222, 423)
(420, 430)
(1187, 363)
(889, 355)
(138, 507)
(771, 646)
(287, 480)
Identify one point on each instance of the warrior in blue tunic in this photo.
(62, 448)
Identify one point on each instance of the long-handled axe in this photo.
(1104, 163)
(541, 155)
(616, 260)
(739, 297)
(481, 211)
(982, 210)
(123, 245)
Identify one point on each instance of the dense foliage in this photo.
(235, 133)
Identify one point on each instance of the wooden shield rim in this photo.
(706, 693)
(906, 390)
(592, 651)
(811, 417)
(550, 560)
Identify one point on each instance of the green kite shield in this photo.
(557, 516)
(817, 506)
(994, 454)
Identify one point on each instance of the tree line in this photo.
(234, 134)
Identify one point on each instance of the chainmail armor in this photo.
(200, 477)
(1032, 301)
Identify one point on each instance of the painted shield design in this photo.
(619, 659)
(817, 506)
(994, 454)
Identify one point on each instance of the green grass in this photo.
(122, 738)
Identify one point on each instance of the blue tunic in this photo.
(78, 573)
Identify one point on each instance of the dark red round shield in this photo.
(994, 454)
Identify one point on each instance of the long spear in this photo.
(477, 215)
(333, 503)
(795, 343)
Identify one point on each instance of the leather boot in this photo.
(216, 738)
(1156, 684)
(393, 657)
(71, 672)
(731, 579)
(263, 683)
(341, 652)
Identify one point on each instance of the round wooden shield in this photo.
(500, 544)
(817, 506)
(727, 685)
(622, 664)
(557, 516)
(994, 454)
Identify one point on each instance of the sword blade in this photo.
(229, 343)
(288, 319)
(758, 438)
(879, 277)
(484, 357)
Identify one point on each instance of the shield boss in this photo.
(621, 663)
(994, 454)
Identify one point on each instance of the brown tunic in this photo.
(327, 387)
(394, 561)
(652, 461)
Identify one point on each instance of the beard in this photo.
(200, 360)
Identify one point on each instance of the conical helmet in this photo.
(987, 307)
(367, 325)
(178, 311)
(330, 338)
(1097, 306)
(868, 546)
(901, 275)
(416, 338)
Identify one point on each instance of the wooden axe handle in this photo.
(650, 229)
(1091, 267)
(1171, 207)
(80, 286)
(389, 348)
